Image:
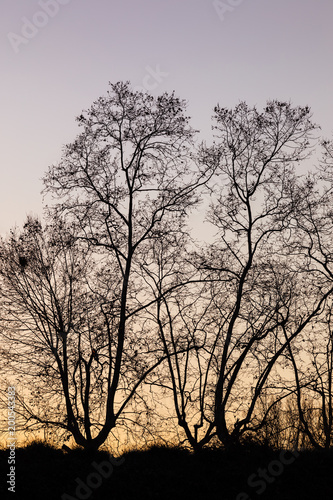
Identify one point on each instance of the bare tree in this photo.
(181, 317)
(313, 363)
(46, 324)
(253, 210)
(129, 178)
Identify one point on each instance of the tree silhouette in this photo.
(129, 178)
(254, 210)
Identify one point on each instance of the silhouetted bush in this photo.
(44, 472)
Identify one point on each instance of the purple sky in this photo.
(254, 51)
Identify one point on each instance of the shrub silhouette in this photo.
(161, 472)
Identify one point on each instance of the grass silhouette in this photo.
(159, 472)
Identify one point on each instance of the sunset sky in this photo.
(208, 52)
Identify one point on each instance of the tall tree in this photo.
(253, 209)
(127, 179)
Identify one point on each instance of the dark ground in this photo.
(46, 473)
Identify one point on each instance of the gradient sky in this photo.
(257, 50)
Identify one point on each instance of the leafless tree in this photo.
(253, 211)
(47, 322)
(128, 179)
(181, 317)
(313, 363)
